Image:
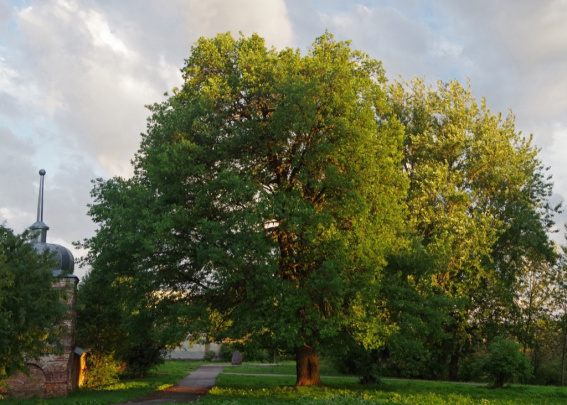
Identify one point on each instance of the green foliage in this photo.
(102, 370)
(142, 357)
(300, 201)
(225, 352)
(119, 317)
(266, 190)
(505, 361)
(478, 203)
(420, 312)
(30, 308)
(210, 355)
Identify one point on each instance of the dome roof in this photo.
(64, 261)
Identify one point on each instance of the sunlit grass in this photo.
(239, 389)
(255, 390)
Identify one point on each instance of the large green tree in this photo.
(478, 202)
(30, 308)
(267, 190)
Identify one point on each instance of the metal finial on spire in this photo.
(40, 198)
(39, 227)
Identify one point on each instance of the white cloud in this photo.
(400, 37)
(91, 84)
(92, 75)
(102, 35)
(267, 18)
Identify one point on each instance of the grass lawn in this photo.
(164, 376)
(287, 368)
(241, 389)
(250, 390)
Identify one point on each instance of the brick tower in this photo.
(56, 374)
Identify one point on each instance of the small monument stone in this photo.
(237, 358)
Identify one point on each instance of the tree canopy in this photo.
(300, 201)
(478, 203)
(30, 308)
(267, 189)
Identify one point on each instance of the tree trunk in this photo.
(454, 365)
(307, 367)
(499, 381)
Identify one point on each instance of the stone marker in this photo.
(237, 358)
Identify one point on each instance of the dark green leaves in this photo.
(30, 308)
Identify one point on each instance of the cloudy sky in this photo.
(75, 76)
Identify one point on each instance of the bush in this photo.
(102, 370)
(504, 362)
(140, 359)
(210, 355)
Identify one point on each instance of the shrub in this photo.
(102, 370)
(140, 359)
(504, 362)
(210, 355)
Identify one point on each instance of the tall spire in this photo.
(39, 228)
(40, 198)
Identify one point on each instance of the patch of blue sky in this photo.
(9, 25)
(435, 17)
(21, 129)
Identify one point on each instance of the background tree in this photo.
(542, 321)
(504, 361)
(269, 192)
(478, 203)
(123, 314)
(30, 308)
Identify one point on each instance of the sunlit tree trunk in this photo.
(307, 367)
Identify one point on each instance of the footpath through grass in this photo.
(252, 390)
(164, 376)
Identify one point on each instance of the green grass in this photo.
(256, 390)
(164, 376)
(287, 368)
(239, 389)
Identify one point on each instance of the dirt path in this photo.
(200, 381)
(189, 389)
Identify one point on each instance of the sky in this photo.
(76, 75)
